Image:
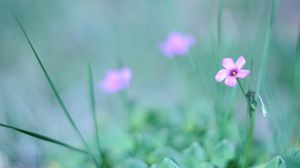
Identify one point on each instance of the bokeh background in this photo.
(177, 101)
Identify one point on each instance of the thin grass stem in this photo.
(62, 104)
(266, 48)
(93, 107)
(45, 138)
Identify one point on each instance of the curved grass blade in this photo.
(266, 49)
(62, 104)
(45, 138)
(65, 110)
(93, 105)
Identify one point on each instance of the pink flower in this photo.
(232, 71)
(116, 80)
(177, 44)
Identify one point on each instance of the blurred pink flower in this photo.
(232, 71)
(116, 80)
(177, 44)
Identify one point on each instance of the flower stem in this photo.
(242, 89)
(128, 105)
(249, 139)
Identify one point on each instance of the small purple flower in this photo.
(177, 44)
(116, 80)
(232, 71)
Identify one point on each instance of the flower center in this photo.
(233, 72)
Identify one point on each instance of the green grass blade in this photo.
(266, 49)
(44, 138)
(93, 104)
(62, 104)
(65, 110)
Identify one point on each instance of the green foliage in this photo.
(292, 159)
(276, 162)
(194, 155)
(167, 163)
(222, 153)
(133, 163)
(173, 114)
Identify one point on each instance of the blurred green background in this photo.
(178, 105)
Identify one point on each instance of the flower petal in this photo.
(126, 74)
(221, 75)
(228, 63)
(241, 61)
(243, 73)
(177, 44)
(116, 80)
(190, 40)
(230, 81)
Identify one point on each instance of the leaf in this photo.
(160, 154)
(134, 163)
(44, 138)
(222, 153)
(116, 140)
(205, 164)
(168, 163)
(193, 155)
(276, 162)
(292, 159)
